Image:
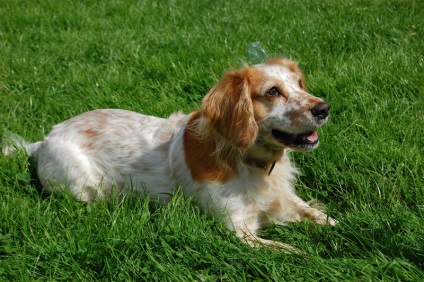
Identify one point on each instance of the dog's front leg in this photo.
(295, 209)
(246, 224)
(256, 242)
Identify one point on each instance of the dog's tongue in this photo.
(313, 137)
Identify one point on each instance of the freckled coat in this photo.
(231, 154)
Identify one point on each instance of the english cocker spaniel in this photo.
(231, 154)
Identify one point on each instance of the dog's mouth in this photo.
(305, 141)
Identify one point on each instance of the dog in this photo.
(231, 155)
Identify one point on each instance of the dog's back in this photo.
(104, 150)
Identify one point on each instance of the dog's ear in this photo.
(228, 107)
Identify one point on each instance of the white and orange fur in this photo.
(223, 154)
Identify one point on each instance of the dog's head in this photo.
(266, 103)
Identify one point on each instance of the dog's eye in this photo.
(273, 92)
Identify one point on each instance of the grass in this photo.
(62, 58)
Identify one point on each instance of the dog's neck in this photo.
(266, 166)
(263, 155)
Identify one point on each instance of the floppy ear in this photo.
(229, 108)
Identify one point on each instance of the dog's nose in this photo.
(321, 110)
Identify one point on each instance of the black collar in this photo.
(260, 164)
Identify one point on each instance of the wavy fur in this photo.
(221, 154)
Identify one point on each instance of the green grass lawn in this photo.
(62, 58)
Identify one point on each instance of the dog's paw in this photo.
(324, 219)
(257, 242)
(317, 216)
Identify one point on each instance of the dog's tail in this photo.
(12, 142)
